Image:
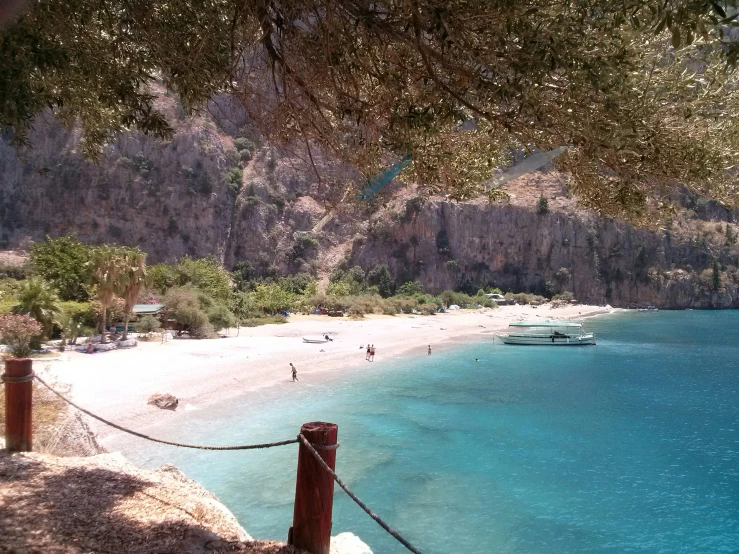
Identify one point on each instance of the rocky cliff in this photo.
(216, 189)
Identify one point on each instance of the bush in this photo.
(566, 296)
(19, 332)
(184, 306)
(410, 288)
(428, 308)
(82, 312)
(220, 317)
(542, 206)
(64, 263)
(17, 272)
(406, 304)
(147, 324)
(449, 297)
(232, 178)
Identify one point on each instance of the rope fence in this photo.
(353, 496)
(160, 441)
(313, 449)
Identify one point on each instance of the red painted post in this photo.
(18, 379)
(314, 490)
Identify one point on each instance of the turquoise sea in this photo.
(628, 446)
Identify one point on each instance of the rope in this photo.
(152, 439)
(16, 378)
(361, 504)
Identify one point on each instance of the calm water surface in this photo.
(628, 446)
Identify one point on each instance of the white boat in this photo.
(318, 339)
(548, 333)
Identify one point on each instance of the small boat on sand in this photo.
(548, 333)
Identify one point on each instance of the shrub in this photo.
(410, 288)
(564, 296)
(17, 272)
(147, 324)
(221, 317)
(19, 332)
(82, 312)
(542, 206)
(449, 297)
(232, 178)
(244, 144)
(406, 304)
(183, 305)
(428, 308)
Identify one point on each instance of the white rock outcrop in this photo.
(348, 543)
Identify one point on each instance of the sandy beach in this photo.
(116, 385)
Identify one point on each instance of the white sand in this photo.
(116, 385)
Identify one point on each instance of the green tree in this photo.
(38, 300)
(63, 262)
(716, 276)
(562, 277)
(615, 80)
(162, 277)
(207, 275)
(185, 307)
(380, 277)
(107, 266)
(272, 298)
(410, 288)
(132, 280)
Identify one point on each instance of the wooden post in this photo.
(314, 490)
(18, 379)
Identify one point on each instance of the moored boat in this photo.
(548, 333)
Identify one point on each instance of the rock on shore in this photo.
(104, 503)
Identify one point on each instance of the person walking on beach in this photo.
(295, 372)
(366, 357)
(429, 350)
(372, 353)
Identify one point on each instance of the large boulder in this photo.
(163, 401)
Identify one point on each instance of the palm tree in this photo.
(107, 267)
(132, 280)
(38, 299)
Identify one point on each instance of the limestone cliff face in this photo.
(444, 244)
(175, 198)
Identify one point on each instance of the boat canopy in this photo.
(571, 324)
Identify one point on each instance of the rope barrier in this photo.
(160, 441)
(361, 504)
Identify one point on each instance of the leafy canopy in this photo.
(63, 262)
(639, 90)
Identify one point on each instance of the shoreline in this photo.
(116, 385)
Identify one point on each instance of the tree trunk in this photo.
(102, 334)
(125, 324)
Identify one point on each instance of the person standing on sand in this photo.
(372, 353)
(295, 372)
(429, 350)
(366, 357)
